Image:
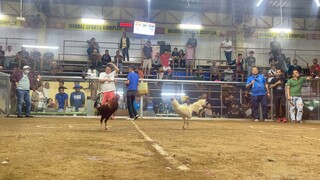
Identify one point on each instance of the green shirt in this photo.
(296, 85)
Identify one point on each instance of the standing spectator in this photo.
(279, 96)
(132, 87)
(92, 45)
(165, 64)
(192, 42)
(239, 67)
(77, 98)
(259, 89)
(288, 62)
(35, 60)
(38, 99)
(105, 59)
(61, 84)
(107, 81)
(61, 100)
(48, 57)
(315, 68)
(175, 57)
(23, 81)
(9, 57)
(118, 61)
(182, 58)
(271, 73)
(293, 67)
(214, 72)
(293, 91)
(250, 62)
(275, 47)
(228, 74)
(23, 57)
(2, 54)
(94, 59)
(189, 59)
(124, 46)
(147, 58)
(227, 45)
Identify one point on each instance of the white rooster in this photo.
(186, 111)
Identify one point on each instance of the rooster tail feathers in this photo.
(197, 106)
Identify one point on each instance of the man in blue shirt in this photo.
(61, 100)
(132, 87)
(77, 98)
(259, 89)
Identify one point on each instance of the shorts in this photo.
(166, 68)
(107, 96)
(147, 63)
(190, 62)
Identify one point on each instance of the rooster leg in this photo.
(184, 122)
(105, 125)
(187, 123)
(101, 122)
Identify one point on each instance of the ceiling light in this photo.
(2, 16)
(318, 3)
(92, 21)
(258, 4)
(281, 30)
(40, 47)
(190, 26)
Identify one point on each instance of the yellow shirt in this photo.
(124, 43)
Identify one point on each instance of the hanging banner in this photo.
(287, 36)
(188, 32)
(9, 23)
(91, 27)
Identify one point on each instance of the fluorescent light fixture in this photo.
(2, 16)
(190, 26)
(258, 4)
(173, 94)
(318, 3)
(281, 30)
(21, 19)
(92, 21)
(40, 47)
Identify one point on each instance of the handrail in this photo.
(297, 56)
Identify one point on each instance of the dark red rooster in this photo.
(106, 110)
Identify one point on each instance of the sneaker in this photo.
(300, 121)
(293, 121)
(267, 120)
(136, 117)
(19, 116)
(129, 118)
(28, 116)
(279, 120)
(284, 120)
(256, 120)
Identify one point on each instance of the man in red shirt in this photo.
(164, 60)
(315, 72)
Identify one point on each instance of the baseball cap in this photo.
(77, 86)
(26, 67)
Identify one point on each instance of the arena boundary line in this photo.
(161, 151)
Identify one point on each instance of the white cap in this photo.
(26, 67)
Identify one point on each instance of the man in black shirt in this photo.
(105, 59)
(293, 67)
(48, 57)
(2, 54)
(279, 97)
(23, 57)
(35, 60)
(175, 57)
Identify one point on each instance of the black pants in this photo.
(280, 106)
(125, 52)
(256, 100)
(131, 96)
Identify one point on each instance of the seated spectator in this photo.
(239, 67)
(288, 62)
(175, 56)
(94, 59)
(165, 65)
(228, 74)
(293, 67)
(61, 100)
(55, 68)
(208, 111)
(105, 59)
(10, 56)
(199, 77)
(35, 60)
(118, 61)
(136, 104)
(2, 54)
(150, 105)
(140, 72)
(186, 101)
(271, 73)
(38, 99)
(48, 58)
(50, 103)
(182, 58)
(23, 58)
(156, 63)
(46, 89)
(315, 68)
(189, 59)
(77, 98)
(92, 45)
(214, 72)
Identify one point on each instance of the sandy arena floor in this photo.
(75, 148)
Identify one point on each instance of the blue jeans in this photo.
(125, 52)
(23, 95)
(256, 100)
(131, 96)
(228, 56)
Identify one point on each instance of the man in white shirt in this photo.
(227, 45)
(106, 79)
(9, 57)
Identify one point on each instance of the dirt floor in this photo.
(76, 148)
